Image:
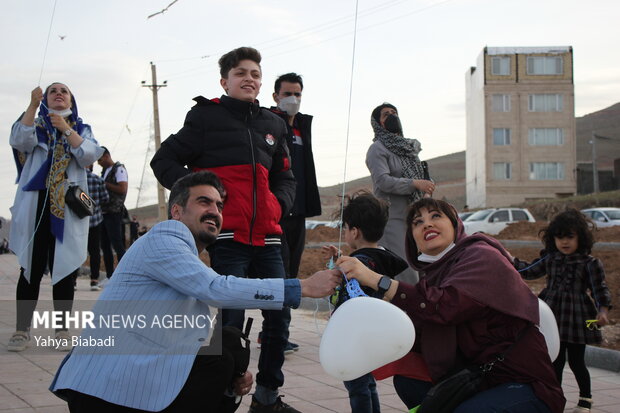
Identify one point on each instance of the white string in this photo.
(346, 150)
(47, 42)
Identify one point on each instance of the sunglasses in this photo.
(592, 325)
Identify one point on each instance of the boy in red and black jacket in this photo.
(245, 145)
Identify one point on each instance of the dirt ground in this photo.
(312, 261)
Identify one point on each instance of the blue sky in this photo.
(412, 53)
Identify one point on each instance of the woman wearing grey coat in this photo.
(397, 174)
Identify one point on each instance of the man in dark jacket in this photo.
(287, 94)
(245, 145)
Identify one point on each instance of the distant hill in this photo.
(448, 172)
(605, 123)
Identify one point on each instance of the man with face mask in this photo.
(287, 95)
(397, 176)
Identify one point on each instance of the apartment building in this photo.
(521, 140)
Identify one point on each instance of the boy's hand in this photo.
(353, 268)
(329, 251)
(320, 284)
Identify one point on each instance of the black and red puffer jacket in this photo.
(245, 145)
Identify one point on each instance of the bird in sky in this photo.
(161, 12)
(62, 37)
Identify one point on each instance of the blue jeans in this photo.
(505, 398)
(363, 395)
(233, 258)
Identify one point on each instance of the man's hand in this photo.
(243, 384)
(320, 284)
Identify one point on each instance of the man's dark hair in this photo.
(569, 222)
(105, 151)
(367, 213)
(288, 77)
(231, 59)
(376, 113)
(179, 194)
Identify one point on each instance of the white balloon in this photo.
(549, 328)
(363, 334)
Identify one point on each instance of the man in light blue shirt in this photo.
(161, 369)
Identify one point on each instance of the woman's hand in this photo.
(330, 251)
(353, 268)
(428, 187)
(602, 317)
(59, 122)
(36, 96)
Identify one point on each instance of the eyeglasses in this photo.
(592, 325)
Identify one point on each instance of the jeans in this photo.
(363, 395)
(233, 258)
(505, 398)
(111, 237)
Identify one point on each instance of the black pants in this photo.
(111, 237)
(577, 363)
(203, 391)
(43, 246)
(94, 250)
(293, 242)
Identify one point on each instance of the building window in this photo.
(500, 66)
(546, 137)
(500, 103)
(546, 103)
(544, 65)
(501, 136)
(502, 170)
(540, 171)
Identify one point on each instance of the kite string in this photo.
(346, 150)
(49, 31)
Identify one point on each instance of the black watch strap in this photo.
(384, 285)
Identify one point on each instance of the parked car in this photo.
(493, 220)
(603, 217)
(465, 215)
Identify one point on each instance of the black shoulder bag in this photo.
(449, 393)
(79, 201)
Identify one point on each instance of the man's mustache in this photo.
(211, 217)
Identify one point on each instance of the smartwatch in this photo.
(384, 285)
(68, 132)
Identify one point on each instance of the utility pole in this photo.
(162, 214)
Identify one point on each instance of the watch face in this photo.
(384, 283)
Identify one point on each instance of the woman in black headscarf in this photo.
(397, 173)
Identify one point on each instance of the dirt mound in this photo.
(529, 231)
(322, 234)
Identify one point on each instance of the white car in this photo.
(465, 215)
(603, 217)
(492, 221)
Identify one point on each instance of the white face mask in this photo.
(290, 105)
(64, 113)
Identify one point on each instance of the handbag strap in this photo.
(486, 367)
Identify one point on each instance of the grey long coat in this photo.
(388, 184)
